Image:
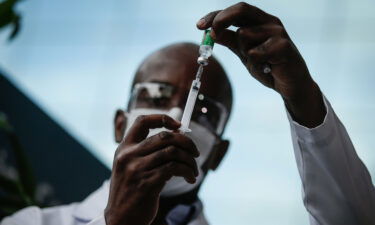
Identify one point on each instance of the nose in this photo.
(179, 100)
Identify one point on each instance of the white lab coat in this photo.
(337, 188)
(89, 212)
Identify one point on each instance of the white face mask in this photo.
(202, 137)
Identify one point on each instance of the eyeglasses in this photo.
(207, 112)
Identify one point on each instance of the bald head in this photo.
(176, 64)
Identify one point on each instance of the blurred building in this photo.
(64, 169)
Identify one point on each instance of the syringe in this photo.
(205, 51)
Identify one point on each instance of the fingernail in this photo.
(201, 22)
(213, 35)
(190, 180)
(178, 123)
(164, 135)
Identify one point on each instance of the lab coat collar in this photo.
(181, 214)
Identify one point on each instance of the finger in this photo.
(241, 14)
(206, 21)
(169, 154)
(256, 70)
(143, 123)
(276, 50)
(167, 171)
(250, 37)
(227, 38)
(164, 139)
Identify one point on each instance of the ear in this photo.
(220, 150)
(120, 122)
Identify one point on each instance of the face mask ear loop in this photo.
(126, 125)
(210, 157)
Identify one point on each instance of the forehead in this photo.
(178, 72)
(167, 71)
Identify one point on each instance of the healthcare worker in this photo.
(156, 176)
(150, 167)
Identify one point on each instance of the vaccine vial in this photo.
(205, 49)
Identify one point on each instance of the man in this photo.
(139, 192)
(147, 184)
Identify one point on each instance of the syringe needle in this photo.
(199, 72)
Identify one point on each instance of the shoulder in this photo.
(83, 212)
(59, 215)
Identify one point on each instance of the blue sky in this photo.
(76, 60)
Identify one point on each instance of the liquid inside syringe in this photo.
(205, 51)
(190, 103)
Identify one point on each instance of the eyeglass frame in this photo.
(169, 89)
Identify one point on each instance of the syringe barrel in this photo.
(189, 107)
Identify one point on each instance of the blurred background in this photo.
(74, 61)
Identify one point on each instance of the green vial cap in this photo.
(207, 39)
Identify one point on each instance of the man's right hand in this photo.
(143, 165)
(262, 39)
